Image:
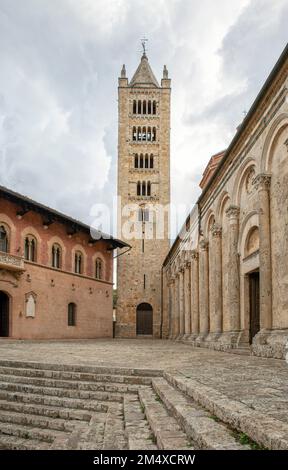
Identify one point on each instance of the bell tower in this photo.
(144, 191)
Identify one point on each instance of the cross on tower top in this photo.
(143, 42)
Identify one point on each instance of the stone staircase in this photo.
(52, 406)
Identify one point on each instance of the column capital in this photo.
(233, 212)
(203, 245)
(216, 230)
(194, 254)
(187, 264)
(262, 182)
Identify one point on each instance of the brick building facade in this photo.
(56, 281)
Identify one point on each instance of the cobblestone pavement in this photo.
(245, 393)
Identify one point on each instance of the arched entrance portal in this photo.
(144, 319)
(4, 314)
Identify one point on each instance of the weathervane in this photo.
(143, 42)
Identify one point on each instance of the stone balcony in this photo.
(11, 262)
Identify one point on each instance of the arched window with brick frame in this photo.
(99, 268)
(30, 245)
(3, 239)
(78, 262)
(56, 256)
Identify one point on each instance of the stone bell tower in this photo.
(144, 187)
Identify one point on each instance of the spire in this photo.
(144, 75)
(123, 72)
(165, 72)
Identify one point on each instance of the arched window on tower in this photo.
(134, 134)
(143, 188)
(154, 107)
(134, 107)
(139, 134)
(144, 107)
(136, 161)
(144, 133)
(151, 161)
(146, 161)
(141, 160)
(56, 256)
(149, 134)
(139, 107)
(30, 248)
(3, 239)
(154, 134)
(149, 107)
(138, 188)
(148, 188)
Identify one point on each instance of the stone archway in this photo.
(144, 319)
(4, 314)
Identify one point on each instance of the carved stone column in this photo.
(171, 306)
(194, 294)
(216, 287)
(187, 299)
(181, 303)
(176, 316)
(203, 290)
(262, 183)
(234, 277)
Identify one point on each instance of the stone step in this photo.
(15, 443)
(114, 435)
(267, 431)
(37, 421)
(27, 432)
(70, 375)
(167, 432)
(34, 398)
(122, 371)
(197, 423)
(71, 384)
(61, 392)
(49, 411)
(137, 429)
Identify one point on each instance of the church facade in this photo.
(144, 196)
(56, 280)
(225, 282)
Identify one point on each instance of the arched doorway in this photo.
(4, 314)
(144, 319)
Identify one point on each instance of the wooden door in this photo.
(144, 319)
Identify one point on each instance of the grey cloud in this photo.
(58, 87)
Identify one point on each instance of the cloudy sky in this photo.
(59, 64)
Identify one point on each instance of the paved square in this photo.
(142, 387)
